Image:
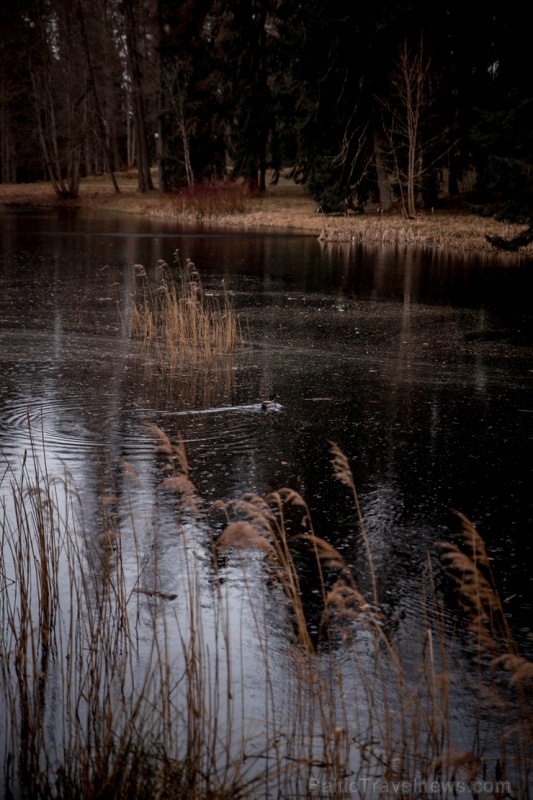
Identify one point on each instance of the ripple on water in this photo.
(71, 433)
(60, 424)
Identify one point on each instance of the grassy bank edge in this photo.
(286, 207)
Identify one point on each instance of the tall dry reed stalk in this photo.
(239, 659)
(179, 321)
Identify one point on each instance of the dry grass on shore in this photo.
(466, 233)
(284, 206)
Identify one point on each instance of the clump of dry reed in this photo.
(181, 322)
(105, 687)
(113, 687)
(212, 198)
(405, 696)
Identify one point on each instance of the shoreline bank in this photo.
(286, 207)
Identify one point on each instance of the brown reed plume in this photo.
(256, 522)
(469, 567)
(343, 473)
(176, 468)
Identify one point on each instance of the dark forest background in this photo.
(408, 103)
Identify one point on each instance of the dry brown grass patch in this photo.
(438, 231)
(210, 199)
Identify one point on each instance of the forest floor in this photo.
(284, 206)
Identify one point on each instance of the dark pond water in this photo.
(417, 364)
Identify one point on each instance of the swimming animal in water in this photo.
(270, 403)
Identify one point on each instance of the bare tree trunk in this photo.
(176, 80)
(6, 160)
(186, 146)
(143, 159)
(59, 87)
(74, 150)
(407, 108)
(385, 196)
(98, 105)
(47, 138)
(453, 184)
(130, 134)
(5, 144)
(414, 76)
